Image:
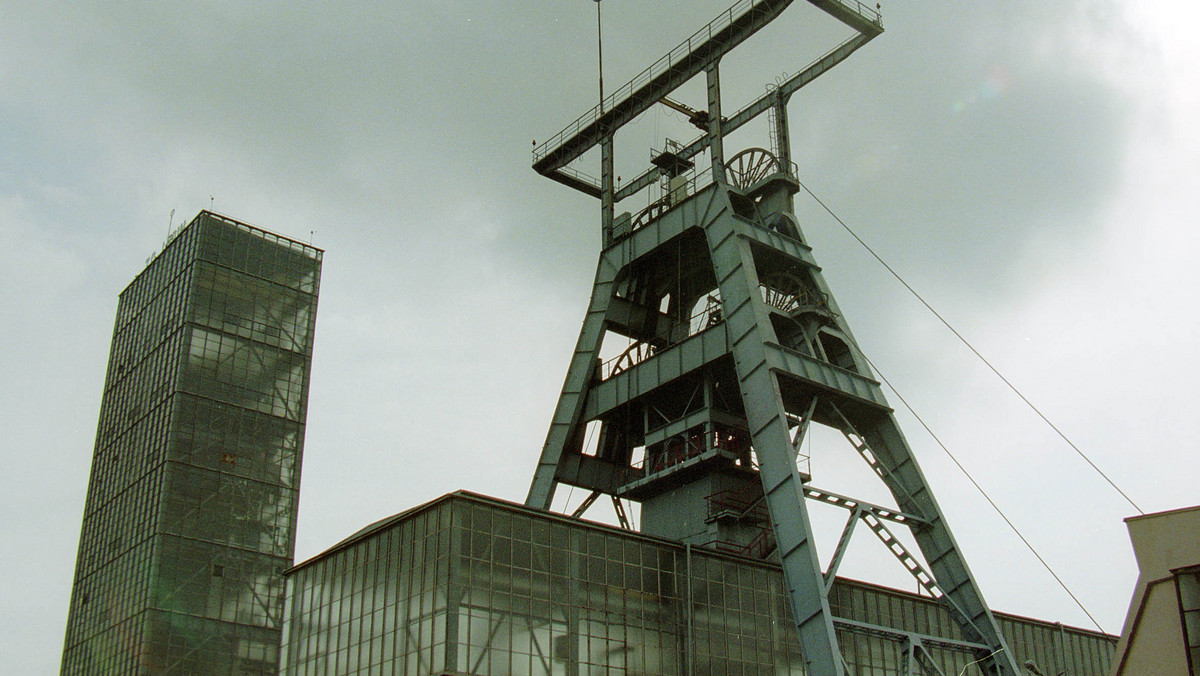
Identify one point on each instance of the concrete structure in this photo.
(467, 584)
(1162, 629)
(191, 508)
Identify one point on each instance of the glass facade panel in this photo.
(1187, 587)
(471, 585)
(190, 515)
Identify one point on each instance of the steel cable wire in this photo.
(970, 347)
(982, 492)
(938, 440)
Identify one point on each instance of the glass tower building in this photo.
(191, 508)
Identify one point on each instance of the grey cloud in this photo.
(401, 132)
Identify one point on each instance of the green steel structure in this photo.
(191, 508)
(467, 584)
(736, 347)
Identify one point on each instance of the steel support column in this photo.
(771, 366)
(748, 328)
(716, 145)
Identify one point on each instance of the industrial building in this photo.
(468, 584)
(190, 515)
(710, 347)
(1162, 629)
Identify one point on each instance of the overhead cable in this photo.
(973, 350)
(984, 493)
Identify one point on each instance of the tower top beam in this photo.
(752, 110)
(705, 47)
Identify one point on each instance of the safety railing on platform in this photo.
(680, 449)
(639, 351)
(663, 195)
(759, 548)
(865, 11)
(657, 68)
(666, 193)
(671, 58)
(580, 176)
(746, 504)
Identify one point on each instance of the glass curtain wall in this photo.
(471, 585)
(190, 518)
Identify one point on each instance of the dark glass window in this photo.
(1187, 585)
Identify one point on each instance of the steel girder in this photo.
(746, 318)
(720, 127)
(706, 46)
(700, 52)
(849, 401)
(775, 384)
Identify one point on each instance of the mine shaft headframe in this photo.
(700, 53)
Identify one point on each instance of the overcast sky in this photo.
(1030, 167)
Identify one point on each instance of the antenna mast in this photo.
(600, 50)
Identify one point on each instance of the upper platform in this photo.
(706, 46)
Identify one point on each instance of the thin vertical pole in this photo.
(607, 184)
(716, 145)
(607, 190)
(781, 131)
(600, 51)
(689, 640)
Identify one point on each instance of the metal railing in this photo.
(683, 447)
(639, 351)
(663, 195)
(665, 63)
(867, 12)
(578, 175)
(697, 180)
(657, 68)
(746, 503)
(759, 548)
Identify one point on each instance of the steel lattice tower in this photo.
(737, 346)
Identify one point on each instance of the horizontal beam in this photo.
(585, 471)
(577, 181)
(862, 18)
(642, 323)
(851, 504)
(900, 636)
(679, 360)
(812, 371)
(681, 64)
(681, 425)
(753, 110)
